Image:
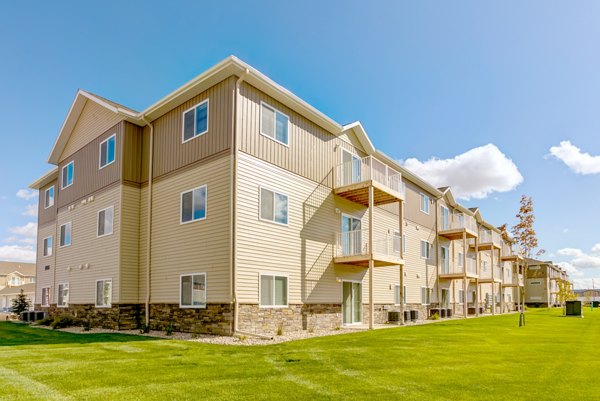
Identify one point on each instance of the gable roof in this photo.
(25, 269)
(28, 288)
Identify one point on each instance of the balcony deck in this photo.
(458, 275)
(379, 260)
(352, 248)
(457, 233)
(511, 258)
(359, 193)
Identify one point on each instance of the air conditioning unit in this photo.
(393, 316)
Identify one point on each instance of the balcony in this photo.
(352, 247)
(455, 226)
(509, 254)
(486, 275)
(353, 179)
(449, 270)
(516, 280)
(488, 240)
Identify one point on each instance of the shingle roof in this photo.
(26, 269)
(27, 289)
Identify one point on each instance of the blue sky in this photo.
(426, 79)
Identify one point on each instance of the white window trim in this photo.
(42, 295)
(403, 293)
(46, 196)
(260, 188)
(62, 171)
(112, 228)
(58, 297)
(461, 300)
(274, 126)
(183, 140)
(69, 223)
(426, 297)
(205, 291)
(100, 166)
(428, 250)
(421, 195)
(442, 215)
(44, 246)
(403, 244)
(205, 186)
(111, 293)
(461, 262)
(273, 274)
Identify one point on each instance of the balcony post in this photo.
(465, 286)
(493, 282)
(477, 275)
(401, 267)
(371, 262)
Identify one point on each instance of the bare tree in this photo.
(525, 237)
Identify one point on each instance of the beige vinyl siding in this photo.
(304, 249)
(311, 150)
(143, 243)
(93, 121)
(101, 254)
(196, 247)
(171, 154)
(419, 272)
(412, 204)
(45, 278)
(46, 216)
(130, 244)
(87, 176)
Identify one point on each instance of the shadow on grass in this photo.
(12, 334)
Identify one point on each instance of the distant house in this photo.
(7, 295)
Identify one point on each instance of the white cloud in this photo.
(474, 174)
(596, 248)
(17, 253)
(580, 259)
(26, 194)
(31, 211)
(570, 269)
(578, 161)
(586, 283)
(29, 230)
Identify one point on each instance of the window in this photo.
(484, 265)
(274, 124)
(105, 221)
(404, 244)
(535, 282)
(425, 249)
(396, 242)
(195, 121)
(424, 203)
(103, 293)
(49, 197)
(46, 296)
(65, 234)
(472, 296)
(63, 295)
(47, 246)
(192, 290)
(273, 291)
(107, 151)
(461, 296)
(397, 295)
(273, 206)
(67, 175)
(445, 217)
(425, 295)
(461, 259)
(193, 205)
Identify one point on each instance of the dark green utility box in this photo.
(574, 308)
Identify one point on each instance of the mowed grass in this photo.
(491, 358)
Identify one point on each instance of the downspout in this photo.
(437, 257)
(233, 203)
(149, 220)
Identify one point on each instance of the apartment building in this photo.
(15, 276)
(542, 284)
(231, 205)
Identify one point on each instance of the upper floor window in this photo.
(273, 206)
(274, 124)
(67, 175)
(49, 197)
(48, 246)
(425, 249)
(484, 265)
(425, 203)
(65, 234)
(195, 121)
(397, 243)
(193, 205)
(105, 221)
(107, 151)
(461, 259)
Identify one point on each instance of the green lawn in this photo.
(488, 358)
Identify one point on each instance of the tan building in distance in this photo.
(542, 284)
(231, 205)
(14, 275)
